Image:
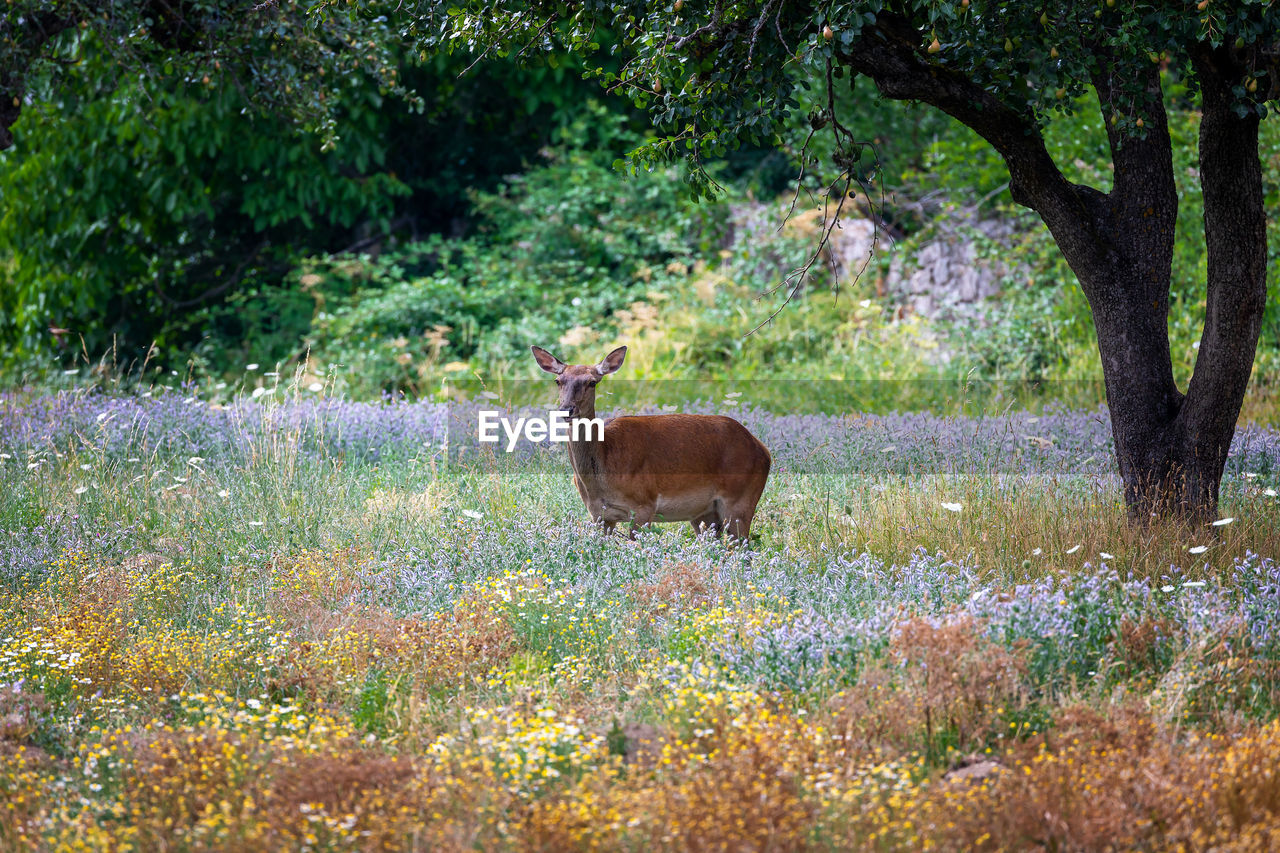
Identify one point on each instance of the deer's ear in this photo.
(612, 362)
(547, 361)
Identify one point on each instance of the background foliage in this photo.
(163, 220)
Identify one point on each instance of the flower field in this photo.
(309, 624)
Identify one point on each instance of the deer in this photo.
(708, 470)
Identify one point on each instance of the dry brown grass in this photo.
(943, 687)
(679, 586)
(740, 791)
(1117, 782)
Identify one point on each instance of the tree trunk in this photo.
(1172, 449)
(1235, 227)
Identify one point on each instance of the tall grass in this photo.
(301, 626)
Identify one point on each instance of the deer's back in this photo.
(684, 447)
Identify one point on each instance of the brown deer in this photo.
(704, 469)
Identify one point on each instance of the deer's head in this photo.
(578, 381)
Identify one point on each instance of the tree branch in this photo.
(1235, 227)
(889, 53)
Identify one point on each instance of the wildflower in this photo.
(1104, 555)
(315, 387)
(952, 507)
(471, 513)
(80, 490)
(1199, 549)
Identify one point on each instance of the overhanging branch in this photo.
(889, 54)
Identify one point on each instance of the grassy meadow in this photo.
(297, 622)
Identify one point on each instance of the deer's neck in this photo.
(587, 457)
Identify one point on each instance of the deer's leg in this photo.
(709, 521)
(641, 518)
(738, 520)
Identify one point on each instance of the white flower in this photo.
(256, 523)
(1223, 522)
(734, 394)
(251, 366)
(1166, 588)
(1104, 555)
(1036, 552)
(315, 387)
(1194, 584)
(258, 392)
(85, 467)
(950, 507)
(1073, 549)
(223, 493)
(1199, 549)
(1271, 493)
(889, 448)
(471, 513)
(80, 490)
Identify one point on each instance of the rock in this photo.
(643, 743)
(969, 774)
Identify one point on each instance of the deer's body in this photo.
(704, 469)
(708, 470)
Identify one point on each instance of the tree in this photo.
(271, 51)
(142, 191)
(719, 73)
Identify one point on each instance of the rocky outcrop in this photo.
(947, 270)
(944, 273)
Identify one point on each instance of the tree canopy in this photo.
(278, 58)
